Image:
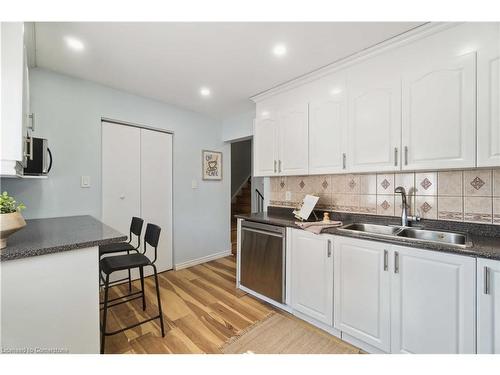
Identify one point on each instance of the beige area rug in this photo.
(282, 334)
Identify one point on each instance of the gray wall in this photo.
(238, 126)
(241, 163)
(68, 113)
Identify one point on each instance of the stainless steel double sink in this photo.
(417, 234)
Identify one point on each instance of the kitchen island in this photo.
(49, 284)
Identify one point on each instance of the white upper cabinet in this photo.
(488, 308)
(374, 131)
(488, 103)
(265, 144)
(438, 112)
(312, 275)
(293, 139)
(362, 290)
(12, 97)
(328, 125)
(433, 302)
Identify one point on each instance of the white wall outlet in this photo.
(288, 196)
(85, 181)
(194, 184)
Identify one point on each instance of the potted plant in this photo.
(11, 219)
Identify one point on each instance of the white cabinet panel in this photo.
(438, 112)
(312, 275)
(362, 291)
(432, 302)
(265, 147)
(328, 129)
(374, 117)
(156, 190)
(293, 140)
(488, 105)
(488, 308)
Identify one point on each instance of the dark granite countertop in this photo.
(485, 238)
(53, 235)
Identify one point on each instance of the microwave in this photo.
(39, 157)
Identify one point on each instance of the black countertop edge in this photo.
(59, 234)
(485, 240)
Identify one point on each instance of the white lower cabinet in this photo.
(362, 291)
(432, 302)
(488, 306)
(312, 275)
(404, 300)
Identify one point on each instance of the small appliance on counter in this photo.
(39, 157)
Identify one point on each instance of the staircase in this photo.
(241, 204)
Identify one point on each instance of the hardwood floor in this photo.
(202, 309)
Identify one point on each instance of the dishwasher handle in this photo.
(253, 226)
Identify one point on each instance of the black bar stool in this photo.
(112, 264)
(121, 247)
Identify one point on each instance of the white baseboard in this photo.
(208, 258)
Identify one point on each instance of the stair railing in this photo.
(259, 200)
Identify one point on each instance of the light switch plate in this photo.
(194, 184)
(85, 182)
(288, 196)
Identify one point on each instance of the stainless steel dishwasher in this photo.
(262, 259)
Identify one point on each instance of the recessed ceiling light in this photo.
(279, 50)
(74, 43)
(205, 91)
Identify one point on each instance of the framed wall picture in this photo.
(212, 165)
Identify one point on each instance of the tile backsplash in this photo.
(468, 195)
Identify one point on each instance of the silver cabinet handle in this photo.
(386, 260)
(31, 116)
(406, 155)
(395, 156)
(344, 160)
(486, 280)
(396, 262)
(329, 252)
(275, 166)
(279, 166)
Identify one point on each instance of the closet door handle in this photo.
(396, 262)
(406, 155)
(386, 260)
(486, 272)
(395, 156)
(344, 160)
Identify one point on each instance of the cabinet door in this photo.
(432, 302)
(374, 134)
(293, 140)
(488, 106)
(312, 275)
(438, 112)
(327, 131)
(264, 143)
(362, 291)
(488, 308)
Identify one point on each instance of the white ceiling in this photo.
(171, 61)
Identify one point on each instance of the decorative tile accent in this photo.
(426, 206)
(302, 184)
(450, 208)
(282, 184)
(450, 183)
(352, 184)
(478, 209)
(324, 184)
(426, 183)
(385, 184)
(385, 205)
(478, 183)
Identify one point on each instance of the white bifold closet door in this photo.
(137, 181)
